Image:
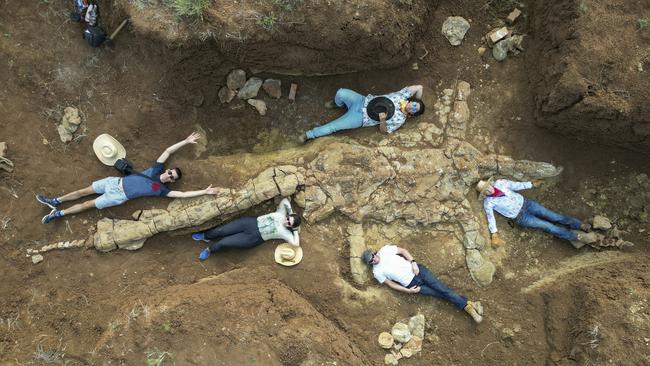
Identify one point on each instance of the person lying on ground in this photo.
(502, 197)
(115, 191)
(249, 232)
(396, 268)
(389, 111)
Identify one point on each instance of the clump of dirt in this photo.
(292, 36)
(265, 323)
(594, 83)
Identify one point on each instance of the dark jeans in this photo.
(430, 285)
(536, 216)
(241, 233)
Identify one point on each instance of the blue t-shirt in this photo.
(136, 186)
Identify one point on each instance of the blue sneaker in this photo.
(200, 237)
(204, 254)
(51, 202)
(51, 216)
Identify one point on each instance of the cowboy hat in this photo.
(108, 149)
(482, 185)
(288, 255)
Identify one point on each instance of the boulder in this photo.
(416, 326)
(481, 269)
(401, 332)
(273, 88)
(250, 89)
(236, 79)
(602, 223)
(259, 105)
(226, 94)
(454, 29)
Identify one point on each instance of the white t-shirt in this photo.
(392, 266)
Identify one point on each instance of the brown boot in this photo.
(469, 309)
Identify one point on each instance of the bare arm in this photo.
(284, 207)
(382, 123)
(191, 139)
(415, 90)
(396, 286)
(295, 239)
(405, 253)
(189, 194)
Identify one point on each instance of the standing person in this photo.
(396, 268)
(249, 232)
(115, 191)
(389, 111)
(502, 197)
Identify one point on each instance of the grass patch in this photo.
(157, 358)
(167, 327)
(267, 21)
(188, 8)
(643, 22)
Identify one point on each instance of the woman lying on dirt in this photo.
(389, 111)
(249, 232)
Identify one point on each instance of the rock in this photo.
(463, 90)
(496, 35)
(71, 119)
(3, 148)
(400, 332)
(226, 95)
(37, 258)
(385, 340)
(390, 359)
(250, 89)
(359, 270)
(512, 17)
(64, 134)
(259, 105)
(406, 353)
(500, 50)
(481, 269)
(292, 92)
(414, 345)
(416, 325)
(273, 88)
(236, 79)
(460, 114)
(454, 29)
(602, 223)
(507, 333)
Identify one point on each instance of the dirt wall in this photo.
(293, 36)
(593, 64)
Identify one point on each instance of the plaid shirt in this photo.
(507, 205)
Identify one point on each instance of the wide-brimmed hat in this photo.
(288, 255)
(108, 149)
(482, 185)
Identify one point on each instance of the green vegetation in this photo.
(167, 327)
(267, 21)
(158, 358)
(188, 8)
(643, 22)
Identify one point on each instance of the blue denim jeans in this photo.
(536, 216)
(430, 285)
(241, 233)
(353, 118)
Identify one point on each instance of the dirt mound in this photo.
(595, 79)
(228, 319)
(599, 315)
(292, 36)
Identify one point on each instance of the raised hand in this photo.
(191, 139)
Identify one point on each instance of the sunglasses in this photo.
(171, 175)
(372, 257)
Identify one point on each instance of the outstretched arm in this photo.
(188, 194)
(518, 186)
(191, 139)
(415, 90)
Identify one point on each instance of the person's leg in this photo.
(233, 227)
(527, 219)
(347, 97)
(78, 194)
(351, 119)
(431, 286)
(237, 241)
(536, 209)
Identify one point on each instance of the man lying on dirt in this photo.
(388, 111)
(501, 196)
(249, 232)
(396, 268)
(115, 191)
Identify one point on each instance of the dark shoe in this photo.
(51, 202)
(585, 227)
(204, 254)
(51, 216)
(330, 104)
(200, 237)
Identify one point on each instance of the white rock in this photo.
(385, 340)
(259, 105)
(602, 223)
(390, 359)
(401, 332)
(37, 258)
(416, 325)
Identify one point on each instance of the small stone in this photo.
(500, 50)
(259, 105)
(385, 340)
(509, 275)
(71, 116)
(3, 148)
(415, 66)
(463, 90)
(481, 51)
(292, 92)
(512, 17)
(454, 29)
(390, 359)
(414, 345)
(416, 325)
(64, 134)
(497, 34)
(602, 223)
(236, 79)
(507, 333)
(226, 95)
(273, 88)
(37, 258)
(406, 353)
(250, 89)
(400, 332)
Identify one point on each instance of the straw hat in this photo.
(108, 149)
(482, 185)
(288, 255)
